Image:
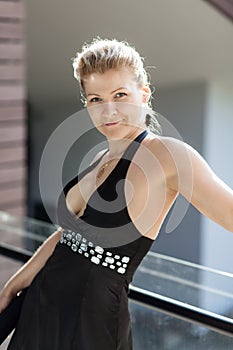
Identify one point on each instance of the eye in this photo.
(120, 94)
(95, 99)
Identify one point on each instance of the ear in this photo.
(146, 93)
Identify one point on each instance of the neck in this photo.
(118, 146)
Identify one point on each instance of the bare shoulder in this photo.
(171, 148)
(164, 148)
(172, 155)
(166, 143)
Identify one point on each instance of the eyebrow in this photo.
(92, 94)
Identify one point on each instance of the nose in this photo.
(109, 109)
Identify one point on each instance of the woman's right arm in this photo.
(24, 276)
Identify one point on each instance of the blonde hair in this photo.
(104, 54)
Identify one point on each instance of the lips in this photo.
(112, 123)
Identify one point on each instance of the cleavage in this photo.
(86, 187)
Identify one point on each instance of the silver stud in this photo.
(124, 265)
(109, 253)
(69, 236)
(83, 247)
(112, 267)
(95, 260)
(74, 247)
(92, 251)
(99, 250)
(91, 244)
(78, 237)
(86, 255)
(109, 260)
(104, 263)
(99, 256)
(73, 240)
(117, 256)
(80, 251)
(69, 243)
(121, 270)
(125, 259)
(118, 263)
(84, 240)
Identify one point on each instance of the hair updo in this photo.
(104, 54)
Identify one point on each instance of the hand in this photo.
(5, 300)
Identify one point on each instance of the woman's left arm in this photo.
(197, 182)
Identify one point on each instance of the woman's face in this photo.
(115, 102)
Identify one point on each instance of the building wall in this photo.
(13, 130)
(216, 246)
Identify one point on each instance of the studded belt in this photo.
(95, 254)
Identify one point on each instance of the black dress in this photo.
(79, 299)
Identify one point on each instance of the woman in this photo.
(110, 214)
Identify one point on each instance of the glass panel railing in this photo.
(156, 330)
(23, 232)
(188, 283)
